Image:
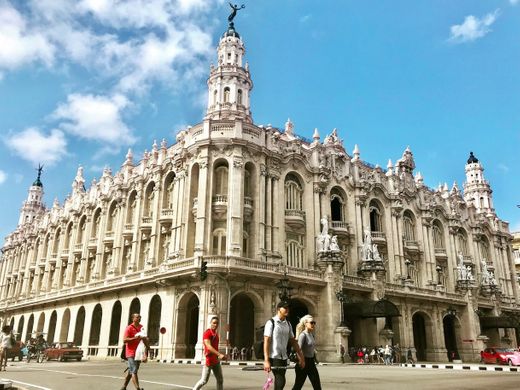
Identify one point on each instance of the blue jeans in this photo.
(206, 370)
(133, 365)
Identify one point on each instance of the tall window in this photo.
(219, 242)
(337, 206)
(221, 180)
(438, 239)
(462, 242)
(215, 92)
(295, 250)
(293, 193)
(239, 97)
(376, 221)
(409, 227)
(226, 94)
(484, 250)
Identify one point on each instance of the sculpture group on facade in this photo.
(464, 272)
(488, 277)
(325, 242)
(369, 251)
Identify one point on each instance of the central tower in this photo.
(229, 84)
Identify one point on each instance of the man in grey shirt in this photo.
(278, 334)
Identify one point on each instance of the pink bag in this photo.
(268, 382)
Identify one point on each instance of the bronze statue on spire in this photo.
(235, 8)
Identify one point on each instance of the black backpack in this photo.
(123, 353)
(259, 345)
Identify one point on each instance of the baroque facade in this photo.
(373, 254)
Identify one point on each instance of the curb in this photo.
(462, 367)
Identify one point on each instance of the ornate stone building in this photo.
(373, 254)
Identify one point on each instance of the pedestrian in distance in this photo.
(7, 341)
(305, 332)
(278, 334)
(342, 352)
(132, 338)
(210, 340)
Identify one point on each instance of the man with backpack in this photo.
(132, 337)
(278, 334)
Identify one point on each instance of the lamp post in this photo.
(407, 263)
(284, 289)
(451, 311)
(341, 297)
(439, 270)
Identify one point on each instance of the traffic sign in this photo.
(162, 330)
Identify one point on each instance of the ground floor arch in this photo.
(95, 325)
(30, 325)
(187, 325)
(65, 323)
(79, 326)
(154, 320)
(115, 324)
(297, 309)
(450, 327)
(419, 336)
(41, 323)
(20, 328)
(242, 322)
(52, 327)
(135, 307)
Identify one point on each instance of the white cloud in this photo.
(20, 44)
(473, 28)
(514, 2)
(3, 176)
(35, 146)
(95, 117)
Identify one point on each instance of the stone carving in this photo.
(369, 251)
(234, 8)
(488, 277)
(464, 272)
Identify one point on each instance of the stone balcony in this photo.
(340, 227)
(378, 237)
(295, 218)
(219, 205)
(248, 207)
(166, 215)
(412, 246)
(441, 253)
(194, 207)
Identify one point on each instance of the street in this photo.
(104, 375)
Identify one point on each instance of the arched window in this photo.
(219, 242)
(293, 193)
(148, 200)
(221, 180)
(462, 242)
(215, 94)
(337, 206)
(484, 250)
(409, 226)
(295, 251)
(96, 221)
(438, 237)
(239, 97)
(376, 220)
(227, 92)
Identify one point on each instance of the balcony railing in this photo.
(440, 252)
(339, 225)
(146, 220)
(222, 199)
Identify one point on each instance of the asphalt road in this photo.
(105, 375)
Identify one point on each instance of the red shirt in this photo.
(131, 346)
(212, 336)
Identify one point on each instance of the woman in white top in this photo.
(6, 344)
(305, 337)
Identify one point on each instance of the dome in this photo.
(472, 159)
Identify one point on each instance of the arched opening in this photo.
(148, 200)
(11, 324)
(239, 97)
(193, 204)
(337, 205)
(130, 211)
(52, 327)
(242, 317)
(96, 222)
(95, 325)
(450, 337)
(115, 324)
(135, 307)
(297, 309)
(168, 195)
(111, 217)
(78, 328)
(376, 217)
(409, 226)
(154, 320)
(41, 323)
(227, 92)
(20, 328)
(187, 325)
(30, 325)
(65, 323)
(419, 336)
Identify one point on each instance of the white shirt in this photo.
(5, 340)
(280, 336)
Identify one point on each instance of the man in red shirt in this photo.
(210, 340)
(131, 338)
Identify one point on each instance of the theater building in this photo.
(375, 255)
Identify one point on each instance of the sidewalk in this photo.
(462, 366)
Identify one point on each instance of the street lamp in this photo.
(284, 289)
(451, 311)
(407, 263)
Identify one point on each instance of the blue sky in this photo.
(82, 81)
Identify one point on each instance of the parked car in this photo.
(500, 356)
(63, 351)
(16, 351)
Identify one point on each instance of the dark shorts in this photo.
(133, 365)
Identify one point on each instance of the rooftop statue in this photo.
(235, 8)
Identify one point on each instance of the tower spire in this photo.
(229, 83)
(477, 190)
(33, 206)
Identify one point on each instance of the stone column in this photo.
(268, 215)
(278, 216)
(261, 207)
(132, 266)
(204, 199)
(235, 217)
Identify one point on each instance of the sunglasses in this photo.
(312, 322)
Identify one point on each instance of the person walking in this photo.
(6, 343)
(305, 331)
(132, 337)
(278, 334)
(210, 340)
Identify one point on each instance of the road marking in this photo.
(108, 376)
(27, 384)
